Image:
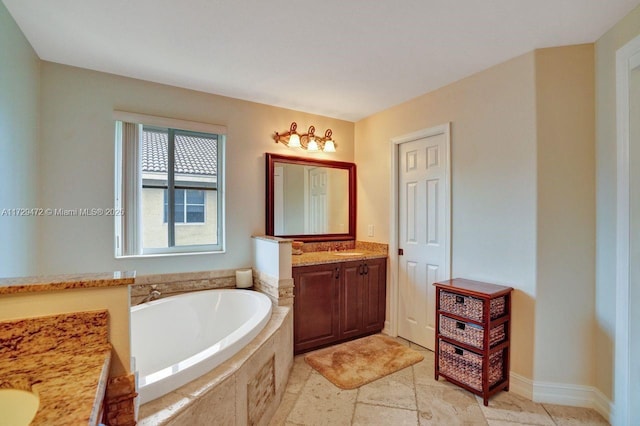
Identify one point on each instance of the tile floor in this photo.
(411, 397)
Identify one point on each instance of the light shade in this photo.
(312, 146)
(294, 141)
(329, 146)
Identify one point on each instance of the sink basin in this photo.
(348, 253)
(18, 407)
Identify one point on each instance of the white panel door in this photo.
(318, 220)
(423, 198)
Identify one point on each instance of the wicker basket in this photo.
(470, 307)
(471, 334)
(466, 367)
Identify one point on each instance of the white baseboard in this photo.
(520, 385)
(603, 405)
(562, 394)
(573, 395)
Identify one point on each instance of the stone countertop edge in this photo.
(101, 391)
(65, 282)
(323, 257)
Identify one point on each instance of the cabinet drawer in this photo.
(471, 334)
(466, 367)
(470, 307)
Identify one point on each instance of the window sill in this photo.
(192, 253)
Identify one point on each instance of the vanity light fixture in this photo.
(307, 141)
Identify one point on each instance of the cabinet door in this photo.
(351, 299)
(375, 291)
(315, 317)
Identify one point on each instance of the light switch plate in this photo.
(370, 231)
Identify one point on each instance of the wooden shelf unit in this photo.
(483, 367)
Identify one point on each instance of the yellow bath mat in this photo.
(356, 363)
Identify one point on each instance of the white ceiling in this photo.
(340, 58)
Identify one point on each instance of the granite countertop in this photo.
(322, 257)
(62, 282)
(64, 359)
(71, 387)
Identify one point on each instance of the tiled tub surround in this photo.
(184, 282)
(64, 282)
(272, 268)
(119, 401)
(64, 359)
(280, 291)
(245, 389)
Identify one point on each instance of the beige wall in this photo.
(19, 109)
(565, 292)
(77, 164)
(493, 152)
(606, 47)
(523, 196)
(155, 233)
(113, 299)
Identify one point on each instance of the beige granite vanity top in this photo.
(64, 359)
(62, 282)
(321, 257)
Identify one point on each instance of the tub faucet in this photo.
(154, 293)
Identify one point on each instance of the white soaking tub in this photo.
(179, 338)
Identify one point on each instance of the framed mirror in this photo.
(310, 200)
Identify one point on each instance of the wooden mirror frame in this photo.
(271, 159)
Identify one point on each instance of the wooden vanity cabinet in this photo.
(375, 295)
(336, 302)
(316, 306)
(351, 300)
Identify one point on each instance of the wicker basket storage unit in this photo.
(466, 366)
(471, 334)
(470, 307)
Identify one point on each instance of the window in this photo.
(169, 184)
(190, 201)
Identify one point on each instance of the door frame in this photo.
(627, 58)
(391, 326)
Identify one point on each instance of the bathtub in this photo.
(179, 338)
